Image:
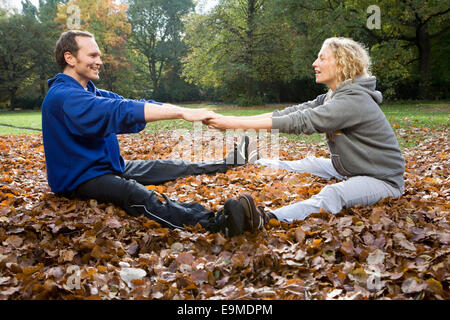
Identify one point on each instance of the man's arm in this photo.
(166, 111)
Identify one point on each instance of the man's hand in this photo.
(198, 114)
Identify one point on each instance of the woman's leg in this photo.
(320, 167)
(359, 190)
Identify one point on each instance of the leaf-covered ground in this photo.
(55, 248)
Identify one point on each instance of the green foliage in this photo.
(405, 49)
(156, 38)
(173, 88)
(19, 52)
(107, 21)
(238, 47)
(245, 101)
(401, 48)
(45, 62)
(244, 51)
(27, 54)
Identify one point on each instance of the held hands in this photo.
(199, 114)
(210, 118)
(222, 122)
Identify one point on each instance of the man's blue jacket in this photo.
(79, 130)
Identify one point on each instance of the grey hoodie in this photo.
(360, 139)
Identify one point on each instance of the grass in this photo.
(432, 115)
(426, 114)
(28, 119)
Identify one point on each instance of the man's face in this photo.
(87, 62)
(325, 68)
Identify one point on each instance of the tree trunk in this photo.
(43, 86)
(424, 46)
(251, 11)
(13, 98)
(153, 75)
(108, 78)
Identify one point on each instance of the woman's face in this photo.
(325, 68)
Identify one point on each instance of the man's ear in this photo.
(69, 58)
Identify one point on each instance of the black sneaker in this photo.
(239, 155)
(255, 218)
(233, 224)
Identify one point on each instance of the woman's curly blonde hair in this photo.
(352, 58)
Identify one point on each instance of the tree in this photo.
(6, 8)
(414, 24)
(401, 46)
(107, 21)
(19, 38)
(157, 36)
(239, 46)
(45, 65)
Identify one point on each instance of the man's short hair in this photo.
(67, 42)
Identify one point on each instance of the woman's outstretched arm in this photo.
(227, 122)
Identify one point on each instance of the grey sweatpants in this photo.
(358, 190)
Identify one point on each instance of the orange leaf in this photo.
(32, 269)
(274, 223)
(191, 286)
(102, 268)
(91, 271)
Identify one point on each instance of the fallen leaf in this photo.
(411, 285)
(130, 274)
(113, 223)
(376, 257)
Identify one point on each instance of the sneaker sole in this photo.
(252, 152)
(250, 211)
(243, 150)
(234, 218)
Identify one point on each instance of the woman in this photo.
(365, 153)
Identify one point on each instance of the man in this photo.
(80, 123)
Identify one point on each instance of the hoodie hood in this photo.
(67, 80)
(361, 140)
(366, 84)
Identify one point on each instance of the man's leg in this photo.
(362, 190)
(136, 200)
(320, 167)
(156, 172)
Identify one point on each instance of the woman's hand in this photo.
(224, 122)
